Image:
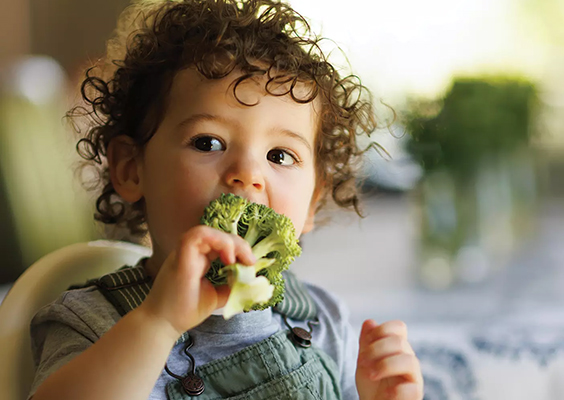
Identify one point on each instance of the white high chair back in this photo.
(41, 284)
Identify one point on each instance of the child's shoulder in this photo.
(84, 309)
(329, 304)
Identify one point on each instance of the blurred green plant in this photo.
(476, 118)
(478, 185)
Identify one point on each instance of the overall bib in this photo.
(284, 366)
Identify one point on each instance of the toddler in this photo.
(197, 98)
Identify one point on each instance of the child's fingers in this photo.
(382, 348)
(401, 365)
(211, 243)
(230, 248)
(224, 246)
(406, 391)
(213, 255)
(371, 331)
(367, 327)
(242, 250)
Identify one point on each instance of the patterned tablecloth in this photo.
(502, 340)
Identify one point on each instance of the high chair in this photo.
(41, 284)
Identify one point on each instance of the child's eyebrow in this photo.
(204, 117)
(293, 135)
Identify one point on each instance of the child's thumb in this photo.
(223, 292)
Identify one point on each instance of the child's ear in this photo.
(123, 158)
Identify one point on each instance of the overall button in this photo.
(193, 385)
(301, 337)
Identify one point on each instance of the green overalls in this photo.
(284, 366)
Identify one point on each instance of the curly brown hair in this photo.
(126, 94)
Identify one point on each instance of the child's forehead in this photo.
(190, 85)
(191, 81)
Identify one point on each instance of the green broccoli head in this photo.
(224, 213)
(271, 235)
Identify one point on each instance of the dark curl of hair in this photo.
(156, 39)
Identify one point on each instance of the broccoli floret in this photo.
(271, 235)
(225, 213)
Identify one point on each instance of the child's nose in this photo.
(245, 172)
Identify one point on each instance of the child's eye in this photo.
(281, 157)
(207, 143)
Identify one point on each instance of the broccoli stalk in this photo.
(273, 241)
(247, 289)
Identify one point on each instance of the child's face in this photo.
(208, 143)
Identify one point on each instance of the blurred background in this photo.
(464, 214)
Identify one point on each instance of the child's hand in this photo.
(181, 296)
(387, 368)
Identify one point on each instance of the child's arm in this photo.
(387, 366)
(127, 361)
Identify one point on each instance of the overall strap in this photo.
(125, 288)
(298, 303)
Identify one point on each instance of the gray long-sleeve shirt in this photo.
(68, 326)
